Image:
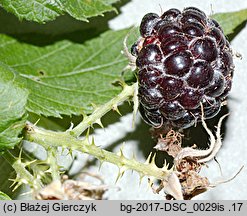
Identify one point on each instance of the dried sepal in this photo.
(202, 156)
(188, 161)
(171, 186)
(171, 143)
(70, 189)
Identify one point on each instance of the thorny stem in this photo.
(69, 139)
(48, 138)
(23, 175)
(54, 169)
(127, 92)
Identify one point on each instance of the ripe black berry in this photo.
(150, 77)
(201, 74)
(217, 34)
(191, 98)
(170, 87)
(147, 24)
(172, 110)
(184, 60)
(166, 29)
(177, 43)
(170, 14)
(149, 55)
(204, 48)
(190, 15)
(193, 29)
(178, 64)
(151, 98)
(217, 86)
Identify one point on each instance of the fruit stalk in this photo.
(127, 92)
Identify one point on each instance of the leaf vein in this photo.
(43, 56)
(96, 54)
(63, 88)
(76, 72)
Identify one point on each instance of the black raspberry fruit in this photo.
(183, 60)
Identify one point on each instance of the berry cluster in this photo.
(184, 60)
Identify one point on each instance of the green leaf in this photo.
(109, 2)
(12, 108)
(33, 10)
(67, 78)
(82, 10)
(43, 10)
(4, 196)
(230, 21)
